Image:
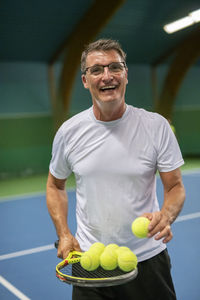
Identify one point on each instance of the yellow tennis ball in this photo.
(112, 247)
(89, 261)
(122, 249)
(173, 129)
(127, 261)
(97, 247)
(140, 227)
(108, 259)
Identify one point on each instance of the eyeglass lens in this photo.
(114, 67)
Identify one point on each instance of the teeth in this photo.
(108, 87)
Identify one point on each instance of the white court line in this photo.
(51, 246)
(188, 217)
(27, 252)
(195, 171)
(27, 196)
(13, 289)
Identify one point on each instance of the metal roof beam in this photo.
(87, 29)
(185, 56)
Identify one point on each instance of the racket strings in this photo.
(76, 270)
(71, 272)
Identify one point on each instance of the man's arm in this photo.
(57, 203)
(174, 197)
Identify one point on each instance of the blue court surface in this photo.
(28, 257)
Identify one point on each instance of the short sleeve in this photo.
(58, 165)
(169, 155)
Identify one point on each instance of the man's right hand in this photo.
(67, 244)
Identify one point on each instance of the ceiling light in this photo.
(178, 25)
(195, 15)
(192, 18)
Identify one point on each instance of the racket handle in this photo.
(56, 244)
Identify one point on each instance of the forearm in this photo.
(57, 204)
(173, 202)
(174, 197)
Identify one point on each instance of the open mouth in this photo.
(108, 88)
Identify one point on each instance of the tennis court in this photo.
(41, 86)
(28, 257)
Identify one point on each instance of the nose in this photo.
(107, 75)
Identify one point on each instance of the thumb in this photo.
(148, 216)
(76, 246)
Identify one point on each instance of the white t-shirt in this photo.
(115, 166)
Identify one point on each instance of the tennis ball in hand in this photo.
(97, 247)
(127, 261)
(108, 259)
(140, 227)
(89, 261)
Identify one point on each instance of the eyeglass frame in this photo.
(104, 66)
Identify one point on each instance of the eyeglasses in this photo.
(114, 67)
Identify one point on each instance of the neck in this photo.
(108, 111)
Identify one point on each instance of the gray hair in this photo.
(101, 45)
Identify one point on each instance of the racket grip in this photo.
(56, 244)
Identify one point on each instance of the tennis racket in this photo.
(70, 271)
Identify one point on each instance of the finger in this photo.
(148, 216)
(169, 237)
(166, 233)
(59, 254)
(154, 229)
(77, 246)
(63, 252)
(77, 249)
(155, 220)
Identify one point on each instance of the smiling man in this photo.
(115, 150)
(106, 77)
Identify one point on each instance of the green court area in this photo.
(28, 185)
(37, 183)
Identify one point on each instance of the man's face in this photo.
(106, 86)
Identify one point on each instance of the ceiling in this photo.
(32, 30)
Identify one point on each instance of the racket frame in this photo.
(74, 257)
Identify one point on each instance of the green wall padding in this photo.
(26, 142)
(187, 124)
(25, 145)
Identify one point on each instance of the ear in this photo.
(126, 75)
(84, 81)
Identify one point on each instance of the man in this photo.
(115, 150)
